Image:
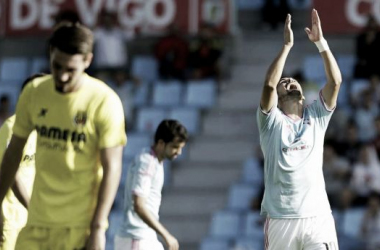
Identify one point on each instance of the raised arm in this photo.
(334, 77)
(269, 94)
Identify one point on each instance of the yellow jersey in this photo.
(15, 214)
(71, 129)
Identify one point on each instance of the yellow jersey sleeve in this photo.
(110, 122)
(23, 124)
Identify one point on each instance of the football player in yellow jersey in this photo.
(16, 201)
(80, 137)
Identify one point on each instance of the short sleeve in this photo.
(110, 122)
(267, 120)
(320, 111)
(143, 176)
(23, 124)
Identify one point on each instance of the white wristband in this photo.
(322, 45)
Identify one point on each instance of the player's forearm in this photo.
(150, 220)
(111, 163)
(20, 192)
(275, 70)
(274, 73)
(106, 197)
(332, 70)
(9, 167)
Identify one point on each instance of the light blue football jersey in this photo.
(293, 158)
(145, 178)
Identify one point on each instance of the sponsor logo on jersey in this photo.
(297, 148)
(56, 133)
(28, 158)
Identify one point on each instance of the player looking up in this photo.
(291, 138)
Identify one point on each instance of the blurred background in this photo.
(203, 62)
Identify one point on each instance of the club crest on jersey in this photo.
(81, 118)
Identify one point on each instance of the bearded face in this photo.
(289, 88)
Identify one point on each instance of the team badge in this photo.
(81, 118)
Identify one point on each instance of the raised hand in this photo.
(315, 34)
(288, 32)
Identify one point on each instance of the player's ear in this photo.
(88, 59)
(161, 142)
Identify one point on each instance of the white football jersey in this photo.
(293, 155)
(145, 178)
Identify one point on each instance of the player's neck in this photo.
(157, 152)
(293, 109)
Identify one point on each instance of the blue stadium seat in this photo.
(167, 173)
(344, 95)
(201, 94)
(214, 244)
(346, 65)
(39, 65)
(136, 142)
(14, 69)
(149, 118)
(249, 4)
(313, 68)
(247, 243)
(253, 172)
(189, 117)
(123, 179)
(226, 225)
(141, 95)
(253, 227)
(240, 196)
(115, 221)
(357, 86)
(145, 68)
(352, 222)
(12, 92)
(300, 4)
(167, 94)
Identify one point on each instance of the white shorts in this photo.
(122, 243)
(314, 233)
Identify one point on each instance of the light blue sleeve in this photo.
(267, 121)
(143, 175)
(319, 111)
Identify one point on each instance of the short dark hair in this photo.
(67, 15)
(72, 38)
(168, 130)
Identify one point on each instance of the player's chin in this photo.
(173, 157)
(294, 92)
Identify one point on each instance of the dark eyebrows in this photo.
(58, 66)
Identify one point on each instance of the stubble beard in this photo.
(292, 95)
(295, 93)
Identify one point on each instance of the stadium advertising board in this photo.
(36, 17)
(346, 16)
